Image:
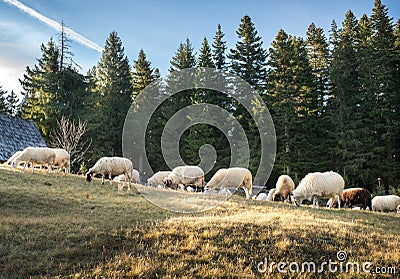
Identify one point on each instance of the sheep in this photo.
(324, 185)
(354, 197)
(135, 177)
(62, 160)
(260, 197)
(112, 166)
(184, 176)
(284, 187)
(385, 203)
(158, 178)
(36, 155)
(233, 177)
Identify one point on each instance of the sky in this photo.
(158, 27)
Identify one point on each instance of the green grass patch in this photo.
(61, 226)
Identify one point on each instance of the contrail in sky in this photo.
(72, 34)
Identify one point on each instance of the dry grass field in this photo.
(55, 226)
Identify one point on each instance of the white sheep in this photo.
(112, 166)
(260, 197)
(35, 155)
(135, 177)
(284, 187)
(270, 196)
(385, 203)
(323, 185)
(158, 178)
(232, 177)
(63, 160)
(184, 176)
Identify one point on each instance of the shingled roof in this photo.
(16, 134)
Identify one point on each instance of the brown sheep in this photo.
(356, 197)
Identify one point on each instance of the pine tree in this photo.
(318, 54)
(219, 48)
(12, 106)
(347, 101)
(318, 120)
(143, 74)
(183, 58)
(289, 97)
(205, 59)
(114, 87)
(248, 58)
(386, 93)
(40, 85)
(3, 105)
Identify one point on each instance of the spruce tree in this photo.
(386, 93)
(184, 57)
(114, 88)
(248, 58)
(219, 48)
(12, 106)
(3, 105)
(142, 75)
(40, 85)
(319, 120)
(248, 61)
(347, 101)
(205, 59)
(290, 101)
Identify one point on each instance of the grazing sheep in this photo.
(385, 203)
(271, 194)
(232, 177)
(157, 179)
(135, 177)
(260, 197)
(112, 166)
(35, 155)
(62, 160)
(323, 185)
(284, 187)
(184, 176)
(354, 197)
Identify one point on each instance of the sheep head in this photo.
(88, 177)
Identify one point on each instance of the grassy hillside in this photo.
(56, 226)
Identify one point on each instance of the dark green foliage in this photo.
(290, 101)
(248, 58)
(143, 74)
(219, 48)
(3, 104)
(12, 106)
(114, 95)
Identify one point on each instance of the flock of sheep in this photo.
(191, 178)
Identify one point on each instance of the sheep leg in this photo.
(247, 193)
(109, 176)
(102, 179)
(25, 164)
(339, 201)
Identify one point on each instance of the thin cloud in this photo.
(53, 24)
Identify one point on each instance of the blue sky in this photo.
(156, 26)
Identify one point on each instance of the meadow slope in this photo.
(56, 226)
